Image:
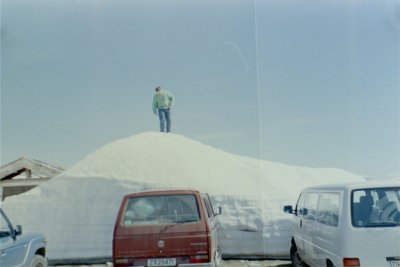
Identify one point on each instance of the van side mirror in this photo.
(288, 209)
(305, 212)
(219, 212)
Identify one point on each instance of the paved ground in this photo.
(229, 263)
(243, 263)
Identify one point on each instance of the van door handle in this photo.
(301, 223)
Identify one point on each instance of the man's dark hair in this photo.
(158, 88)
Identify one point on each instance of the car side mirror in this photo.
(219, 212)
(288, 209)
(18, 230)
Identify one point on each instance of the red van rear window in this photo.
(166, 209)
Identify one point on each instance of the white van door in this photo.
(327, 231)
(298, 223)
(308, 227)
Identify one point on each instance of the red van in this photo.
(166, 228)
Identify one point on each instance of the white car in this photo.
(347, 225)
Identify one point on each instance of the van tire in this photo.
(295, 257)
(38, 261)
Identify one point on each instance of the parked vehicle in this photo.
(347, 225)
(17, 249)
(166, 228)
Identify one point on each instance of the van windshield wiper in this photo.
(174, 223)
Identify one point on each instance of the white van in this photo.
(347, 225)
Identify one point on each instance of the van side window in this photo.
(208, 206)
(328, 209)
(310, 206)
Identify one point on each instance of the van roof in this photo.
(356, 185)
(163, 192)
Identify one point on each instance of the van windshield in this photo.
(161, 210)
(376, 207)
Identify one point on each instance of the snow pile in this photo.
(77, 209)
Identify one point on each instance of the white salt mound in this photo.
(77, 209)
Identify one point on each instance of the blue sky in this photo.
(310, 83)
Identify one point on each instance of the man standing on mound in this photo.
(162, 102)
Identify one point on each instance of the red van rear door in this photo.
(160, 230)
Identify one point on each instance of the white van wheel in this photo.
(295, 257)
(38, 261)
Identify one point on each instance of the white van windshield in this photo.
(161, 210)
(376, 207)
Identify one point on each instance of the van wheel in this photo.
(295, 257)
(38, 261)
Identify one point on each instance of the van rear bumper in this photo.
(206, 264)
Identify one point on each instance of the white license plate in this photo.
(393, 262)
(161, 262)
